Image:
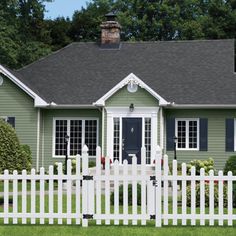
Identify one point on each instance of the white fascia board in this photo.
(38, 101)
(202, 106)
(125, 81)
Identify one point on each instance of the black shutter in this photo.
(170, 133)
(203, 134)
(11, 121)
(229, 135)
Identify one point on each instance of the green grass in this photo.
(94, 230)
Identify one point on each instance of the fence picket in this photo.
(221, 199)
(211, 197)
(59, 204)
(6, 196)
(166, 186)
(42, 193)
(143, 185)
(125, 191)
(33, 197)
(174, 192)
(134, 188)
(107, 188)
(193, 194)
(77, 190)
(24, 195)
(184, 193)
(68, 191)
(85, 172)
(15, 196)
(230, 199)
(116, 190)
(202, 196)
(158, 186)
(51, 195)
(98, 183)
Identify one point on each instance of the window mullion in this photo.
(83, 134)
(68, 133)
(187, 134)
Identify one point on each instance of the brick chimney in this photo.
(110, 36)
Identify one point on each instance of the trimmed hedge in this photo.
(230, 165)
(13, 156)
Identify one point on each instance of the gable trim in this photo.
(38, 101)
(134, 79)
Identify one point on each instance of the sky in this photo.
(63, 8)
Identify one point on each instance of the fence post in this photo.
(158, 186)
(84, 186)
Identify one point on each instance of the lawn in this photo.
(56, 230)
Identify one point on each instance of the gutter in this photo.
(202, 106)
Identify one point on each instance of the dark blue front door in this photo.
(132, 138)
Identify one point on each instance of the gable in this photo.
(131, 80)
(124, 98)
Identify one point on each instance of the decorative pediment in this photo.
(133, 81)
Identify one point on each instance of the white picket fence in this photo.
(48, 198)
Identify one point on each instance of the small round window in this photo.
(132, 88)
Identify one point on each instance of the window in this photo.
(148, 140)
(187, 131)
(116, 143)
(80, 131)
(9, 120)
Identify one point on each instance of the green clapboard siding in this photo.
(47, 138)
(15, 102)
(216, 135)
(123, 98)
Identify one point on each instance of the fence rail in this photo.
(157, 193)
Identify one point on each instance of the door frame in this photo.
(124, 112)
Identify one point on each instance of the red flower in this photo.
(162, 162)
(103, 161)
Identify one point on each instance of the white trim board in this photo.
(139, 112)
(38, 101)
(131, 78)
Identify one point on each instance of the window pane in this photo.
(75, 137)
(61, 131)
(116, 142)
(181, 133)
(148, 139)
(192, 134)
(91, 136)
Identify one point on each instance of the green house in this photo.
(125, 95)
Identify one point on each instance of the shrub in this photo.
(129, 195)
(216, 195)
(73, 164)
(13, 156)
(206, 164)
(230, 165)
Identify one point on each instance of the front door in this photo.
(132, 139)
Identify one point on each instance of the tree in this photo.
(12, 155)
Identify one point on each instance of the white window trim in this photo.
(187, 133)
(5, 118)
(139, 112)
(83, 119)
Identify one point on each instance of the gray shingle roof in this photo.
(184, 72)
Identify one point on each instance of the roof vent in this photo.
(110, 36)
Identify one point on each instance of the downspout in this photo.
(42, 140)
(161, 129)
(38, 141)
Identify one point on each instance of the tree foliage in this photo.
(13, 156)
(26, 36)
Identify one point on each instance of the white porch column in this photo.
(154, 127)
(109, 135)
